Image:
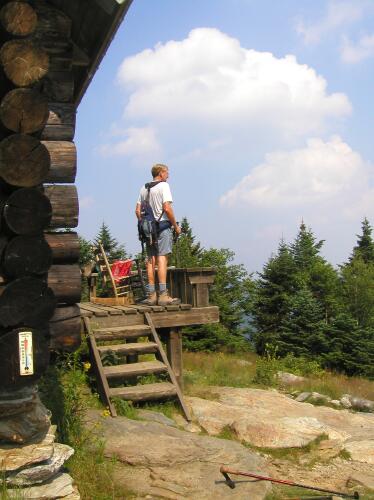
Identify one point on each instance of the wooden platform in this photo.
(124, 325)
(162, 317)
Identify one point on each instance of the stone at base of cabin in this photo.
(61, 486)
(43, 471)
(14, 457)
(14, 402)
(30, 421)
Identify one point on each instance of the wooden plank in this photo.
(109, 309)
(91, 308)
(122, 332)
(146, 392)
(174, 350)
(157, 309)
(126, 310)
(141, 308)
(169, 369)
(194, 316)
(102, 381)
(185, 307)
(134, 369)
(172, 307)
(130, 348)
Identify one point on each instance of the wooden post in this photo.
(174, 352)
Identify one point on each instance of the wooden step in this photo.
(132, 348)
(134, 369)
(122, 332)
(146, 392)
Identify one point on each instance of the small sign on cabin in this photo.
(26, 360)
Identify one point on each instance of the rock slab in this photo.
(161, 461)
(269, 419)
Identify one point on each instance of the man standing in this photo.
(160, 200)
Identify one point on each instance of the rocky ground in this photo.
(270, 434)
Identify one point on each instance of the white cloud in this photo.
(338, 13)
(323, 174)
(353, 53)
(138, 142)
(208, 83)
(86, 202)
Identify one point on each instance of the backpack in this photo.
(149, 227)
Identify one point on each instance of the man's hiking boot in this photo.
(151, 299)
(164, 299)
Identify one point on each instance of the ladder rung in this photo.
(146, 392)
(122, 332)
(134, 369)
(131, 348)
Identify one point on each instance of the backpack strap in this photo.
(148, 186)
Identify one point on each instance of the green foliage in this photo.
(112, 248)
(302, 330)
(357, 278)
(125, 408)
(186, 251)
(300, 366)
(231, 292)
(365, 244)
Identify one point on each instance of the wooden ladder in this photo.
(105, 374)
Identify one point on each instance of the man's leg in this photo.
(164, 298)
(151, 292)
(162, 265)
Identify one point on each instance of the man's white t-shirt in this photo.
(158, 195)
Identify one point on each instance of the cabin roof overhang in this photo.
(94, 24)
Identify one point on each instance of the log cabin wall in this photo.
(39, 265)
(49, 52)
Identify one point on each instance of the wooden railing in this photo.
(191, 284)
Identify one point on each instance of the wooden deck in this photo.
(163, 317)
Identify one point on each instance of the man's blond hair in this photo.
(158, 168)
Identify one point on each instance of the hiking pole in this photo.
(225, 471)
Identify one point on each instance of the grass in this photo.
(219, 369)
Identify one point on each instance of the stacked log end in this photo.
(40, 277)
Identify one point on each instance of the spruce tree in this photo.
(274, 288)
(186, 251)
(365, 244)
(357, 281)
(303, 330)
(314, 272)
(112, 248)
(305, 249)
(231, 292)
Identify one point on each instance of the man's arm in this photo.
(168, 209)
(137, 210)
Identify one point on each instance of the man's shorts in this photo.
(165, 244)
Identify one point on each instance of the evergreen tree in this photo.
(112, 248)
(303, 330)
(365, 244)
(186, 251)
(86, 254)
(357, 278)
(350, 347)
(277, 283)
(314, 272)
(231, 292)
(305, 249)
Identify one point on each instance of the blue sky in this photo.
(263, 111)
